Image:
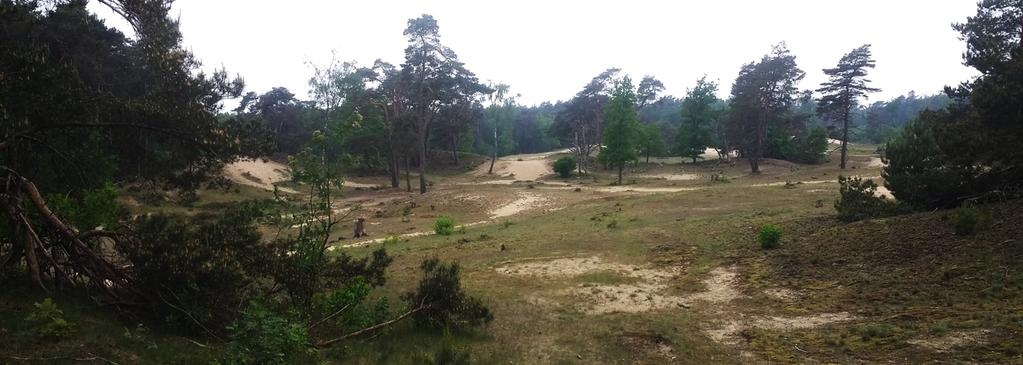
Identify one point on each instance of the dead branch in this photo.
(400, 318)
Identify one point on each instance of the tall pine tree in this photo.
(846, 84)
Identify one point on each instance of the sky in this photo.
(548, 50)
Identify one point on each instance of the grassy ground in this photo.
(599, 276)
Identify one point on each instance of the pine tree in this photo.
(846, 84)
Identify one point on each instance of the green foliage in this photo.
(763, 94)
(967, 220)
(444, 226)
(565, 166)
(391, 240)
(47, 321)
(651, 141)
(874, 331)
(918, 172)
(858, 200)
(262, 337)
(621, 127)
(96, 208)
(700, 116)
(769, 236)
(441, 301)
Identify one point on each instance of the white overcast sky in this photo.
(547, 50)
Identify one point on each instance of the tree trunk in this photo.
(620, 167)
(845, 137)
(395, 171)
(408, 174)
(422, 167)
(494, 158)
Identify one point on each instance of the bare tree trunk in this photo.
(422, 165)
(845, 137)
(408, 173)
(395, 171)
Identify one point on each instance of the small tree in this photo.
(651, 142)
(564, 166)
(622, 127)
(698, 116)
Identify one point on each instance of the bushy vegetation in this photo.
(858, 200)
(564, 166)
(769, 236)
(967, 220)
(439, 300)
(48, 321)
(263, 337)
(444, 226)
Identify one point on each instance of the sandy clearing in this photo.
(647, 295)
(259, 173)
(525, 167)
(955, 339)
(721, 292)
(525, 201)
(719, 286)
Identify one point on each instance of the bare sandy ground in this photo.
(259, 173)
(525, 167)
(525, 201)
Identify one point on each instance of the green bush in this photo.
(564, 166)
(444, 226)
(391, 240)
(441, 300)
(967, 221)
(769, 236)
(47, 321)
(858, 201)
(263, 337)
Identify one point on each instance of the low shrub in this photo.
(391, 240)
(967, 221)
(564, 166)
(858, 200)
(444, 226)
(48, 321)
(769, 236)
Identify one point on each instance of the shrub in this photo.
(441, 300)
(967, 221)
(769, 236)
(48, 321)
(858, 201)
(391, 240)
(262, 337)
(564, 166)
(444, 226)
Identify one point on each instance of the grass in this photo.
(903, 278)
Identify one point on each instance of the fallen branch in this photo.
(327, 343)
